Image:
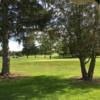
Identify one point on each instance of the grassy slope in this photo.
(48, 80)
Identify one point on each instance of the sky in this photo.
(15, 46)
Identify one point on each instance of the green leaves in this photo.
(25, 16)
(98, 1)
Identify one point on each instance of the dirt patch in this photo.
(12, 76)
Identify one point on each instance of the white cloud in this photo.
(15, 46)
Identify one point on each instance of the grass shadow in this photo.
(38, 87)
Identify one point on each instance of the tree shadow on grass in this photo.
(38, 87)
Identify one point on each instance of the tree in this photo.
(83, 37)
(52, 36)
(17, 18)
(79, 24)
(62, 48)
(98, 1)
(32, 50)
(48, 41)
(5, 23)
(44, 43)
(29, 47)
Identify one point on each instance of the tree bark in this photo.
(27, 56)
(50, 56)
(83, 69)
(5, 56)
(92, 66)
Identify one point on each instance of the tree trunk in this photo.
(83, 69)
(27, 56)
(50, 56)
(92, 66)
(5, 56)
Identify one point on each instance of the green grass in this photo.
(46, 79)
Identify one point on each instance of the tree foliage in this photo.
(78, 24)
(98, 1)
(17, 19)
(29, 46)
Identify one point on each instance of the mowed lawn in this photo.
(44, 79)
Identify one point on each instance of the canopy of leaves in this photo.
(24, 16)
(98, 1)
(78, 24)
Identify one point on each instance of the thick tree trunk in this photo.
(5, 56)
(83, 69)
(92, 66)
